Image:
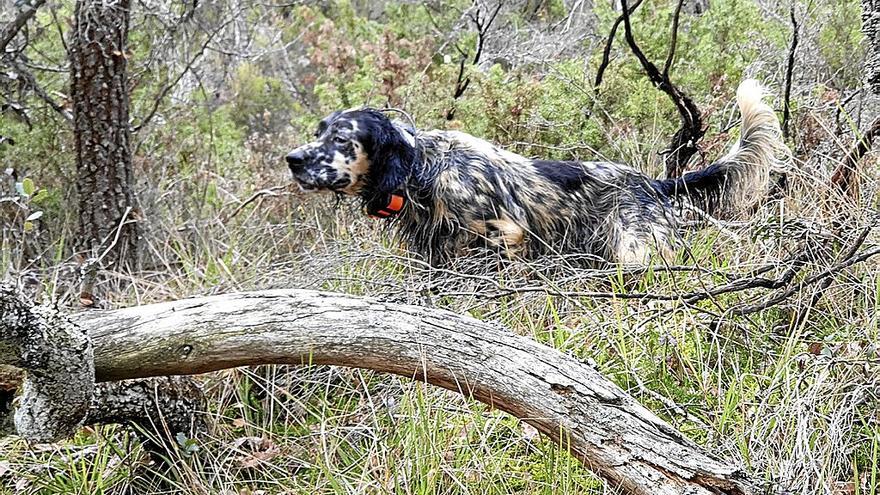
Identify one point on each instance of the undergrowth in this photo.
(794, 400)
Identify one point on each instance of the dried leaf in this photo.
(264, 450)
(86, 300)
(529, 432)
(843, 488)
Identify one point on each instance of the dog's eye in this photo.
(340, 139)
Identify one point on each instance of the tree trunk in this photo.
(99, 92)
(59, 393)
(871, 29)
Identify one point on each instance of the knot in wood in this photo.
(559, 383)
(184, 351)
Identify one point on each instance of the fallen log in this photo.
(565, 399)
(59, 392)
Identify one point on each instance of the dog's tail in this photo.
(741, 177)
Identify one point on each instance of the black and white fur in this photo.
(464, 193)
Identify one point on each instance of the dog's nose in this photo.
(295, 159)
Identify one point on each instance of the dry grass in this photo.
(794, 400)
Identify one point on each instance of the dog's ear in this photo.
(392, 158)
(325, 122)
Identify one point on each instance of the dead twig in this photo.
(789, 71)
(845, 177)
(89, 269)
(272, 191)
(828, 272)
(684, 141)
(462, 81)
(820, 290)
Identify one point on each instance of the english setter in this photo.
(448, 192)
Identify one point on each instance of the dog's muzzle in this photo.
(313, 176)
(296, 161)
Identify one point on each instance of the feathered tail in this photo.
(741, 177)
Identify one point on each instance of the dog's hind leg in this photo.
(506, 234)
(631, 249)
(637, 245)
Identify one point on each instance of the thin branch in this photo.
(11, 29)
(31, 82)
(606, 53)
(60, 30)
(736, 285)
(89, 268)
(820, 290)
(673, 42)
(168, 87)
(831, 271)
(684, 142)
(789, 70)
(845, 176)
(462, 82)
(272, 191)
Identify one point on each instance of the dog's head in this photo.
(356, 152)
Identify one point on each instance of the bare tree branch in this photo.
(826, 282)
(462, 82)
(11, 29)
(684, 141)
(606, 53)
(846, 175)
(828, 272)
(157, 100)
(789, 71)
(31, 82)
(673, 42)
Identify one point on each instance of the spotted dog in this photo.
(450, 193)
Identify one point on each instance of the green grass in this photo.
(796, 404)
(749, 392)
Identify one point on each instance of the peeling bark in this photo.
(570, 402)
(57, 354)
(169, 404)
(566, 400)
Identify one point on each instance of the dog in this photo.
(449, 194)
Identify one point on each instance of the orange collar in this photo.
(392, 208)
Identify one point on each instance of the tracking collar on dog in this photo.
(392, 205)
